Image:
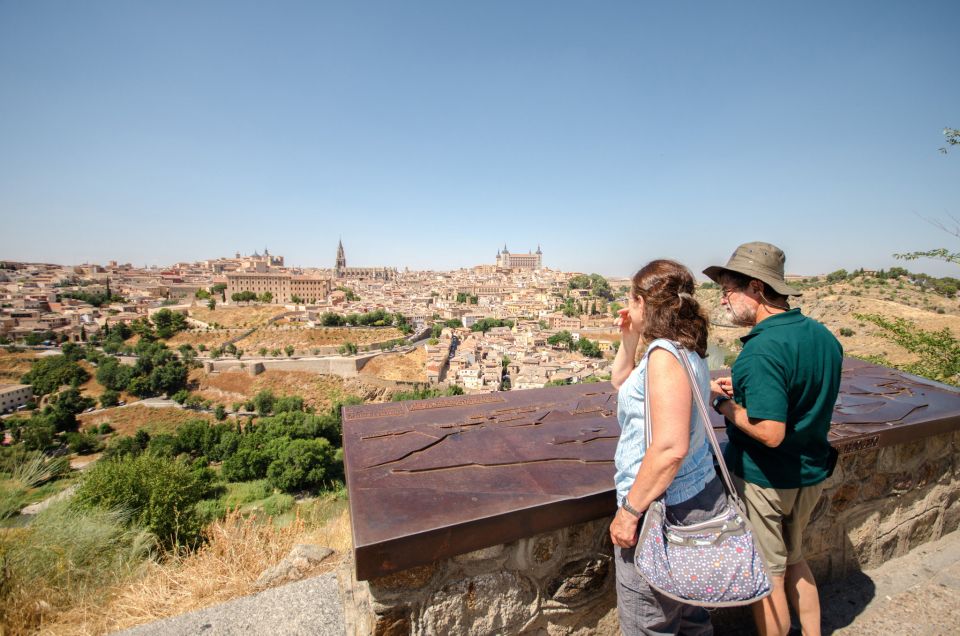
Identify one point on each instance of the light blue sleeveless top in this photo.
(697, 468)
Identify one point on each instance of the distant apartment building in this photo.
(282, 286)
(530, 260)
(13, 396)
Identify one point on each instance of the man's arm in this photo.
(767, 432)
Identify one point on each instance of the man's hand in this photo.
(721, 386)
(623, 530)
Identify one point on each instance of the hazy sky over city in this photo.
(428, 134)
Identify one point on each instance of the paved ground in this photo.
(309, 607)
(916, 595)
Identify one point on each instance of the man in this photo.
(784, 386)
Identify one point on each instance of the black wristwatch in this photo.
(717, 401)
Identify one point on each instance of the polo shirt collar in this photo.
(786, 318)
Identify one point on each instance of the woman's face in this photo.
(635, 312)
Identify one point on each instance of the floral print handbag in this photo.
(714, 563)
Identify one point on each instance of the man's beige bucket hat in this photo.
(759, 260)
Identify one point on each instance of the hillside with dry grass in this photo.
(14, 365)
(836, 305)
(235, 317)
(402, 367)
(128, 419)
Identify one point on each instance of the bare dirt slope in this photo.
(404, 367)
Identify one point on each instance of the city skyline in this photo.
(428, 134)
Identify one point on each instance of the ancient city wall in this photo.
(880, 503)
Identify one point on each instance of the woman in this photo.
(677, 460)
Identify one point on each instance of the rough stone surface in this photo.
(296, 565)
(487, 604)
(879, 505)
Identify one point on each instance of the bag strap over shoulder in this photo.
(701, 407)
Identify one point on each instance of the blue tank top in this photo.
(697, 467)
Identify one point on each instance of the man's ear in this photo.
(756, 286)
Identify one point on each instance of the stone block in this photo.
(844, 497)
(581, 581)
(902, 457)
(395, 622)
(405, 580)
(484, 554)
(500, 602)
(951, 518)
(923, 529)
(539, 552)
(585, 538)
(934, 471)
(875, 485)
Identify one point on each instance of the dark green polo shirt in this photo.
(788, 371)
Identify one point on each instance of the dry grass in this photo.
(127, 420)
(239, 549)
(399, 366)
(227, 387)
(13, 366)
(250, 316)
(304, 339)
(210, 339)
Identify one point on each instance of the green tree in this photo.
(561, 338)
(168, 323)
(212, 304)
(302, 464)
(938, 351)
(158, 494)
(109, 398)
(49, 373)
(266, 297)
(289, 350)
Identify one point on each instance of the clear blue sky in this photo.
(427, 134)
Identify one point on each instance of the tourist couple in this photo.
(777, 407)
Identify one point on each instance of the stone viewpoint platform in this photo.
(488, 513)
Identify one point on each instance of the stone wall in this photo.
(559, 582)
(880, 503)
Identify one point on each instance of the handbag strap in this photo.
(701, 407)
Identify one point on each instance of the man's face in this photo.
(739, 303)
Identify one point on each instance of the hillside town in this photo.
(510, 324)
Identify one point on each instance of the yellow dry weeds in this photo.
(409, 367)
(239, 549)
(127, 420)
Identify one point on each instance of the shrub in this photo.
(846, 332)
(301, 465)
(48, 374)
(83, 443)
(105, 428)
(159, 494)
(220, 412)
(109, 398)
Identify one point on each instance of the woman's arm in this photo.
(669, 403)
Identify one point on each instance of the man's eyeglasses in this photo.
(725, 293)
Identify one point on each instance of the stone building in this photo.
(341, 271)
(530, 260)
(13, 396)
(283, 286)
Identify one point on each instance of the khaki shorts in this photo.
(779, 517)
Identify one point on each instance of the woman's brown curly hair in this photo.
(670, 310)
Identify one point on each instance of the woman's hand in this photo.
(623, 530)
(622, 321)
